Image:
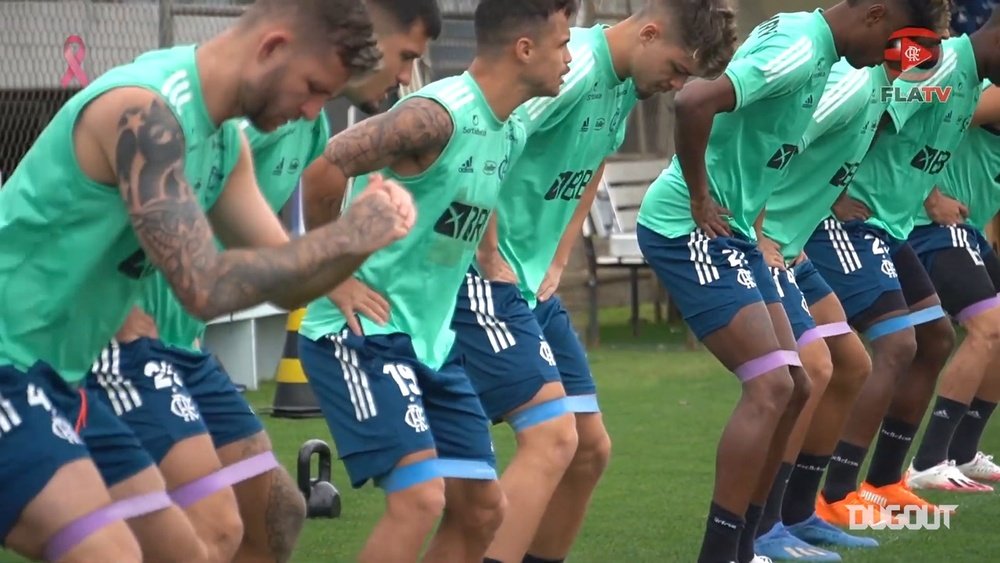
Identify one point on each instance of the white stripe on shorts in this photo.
(842, 245)
(698, 245)
(480, 295)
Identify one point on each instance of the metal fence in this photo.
(51, 48)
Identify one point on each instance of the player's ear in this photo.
(272, 44)
(524, 48)
(874, 14)
(649, 33)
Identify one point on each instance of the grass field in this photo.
(664, 408)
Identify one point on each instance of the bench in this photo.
(613, 218)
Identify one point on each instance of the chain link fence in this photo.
(51, 49)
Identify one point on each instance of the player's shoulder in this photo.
(847, 91)
(793, 35)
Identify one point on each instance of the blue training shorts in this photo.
(709, 279)
(167, 394)
(511, 351)
(810, 282)
(381, 404)
(793, 301)
(855, 260)
(44, 425)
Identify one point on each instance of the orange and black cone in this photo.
(293, 397)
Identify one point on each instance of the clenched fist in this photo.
(379, 216)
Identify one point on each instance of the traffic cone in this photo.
(293, 397)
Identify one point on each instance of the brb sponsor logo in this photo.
(895, 517)
(912, 58)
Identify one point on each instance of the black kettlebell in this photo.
(322, 498)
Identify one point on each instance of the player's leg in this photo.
(512, 367)
(773, 539)
(855, 261)
(935, 340)
(568, 506)
(851, 367)
(270, 505)
(166, 535)
(54, 504)
(964, 449)
(474, 500)
(968, 295)
(142, 382)
(372, 402)
(717, 292)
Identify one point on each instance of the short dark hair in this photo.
(409, 12)
(498, 21)
(934, 15)
(706, 27)
(931, 14)
(344, 24)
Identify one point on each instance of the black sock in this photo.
(722, 536)
(772, 510)
(749, 533)
(965, 442)
(803, 484)
(937, 438)
(893, 443)
(842, 477)
(532, 559)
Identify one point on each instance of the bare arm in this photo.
(695, 108)
(412, 129)
(416, 129)
(144, 145)
(324, 188)
(988, 109)
(241, 217)
(575, 227)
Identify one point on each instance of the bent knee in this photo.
(593, 452)
(895, 350)
(482, 511)
(935, 340)
(983, 336)
(423, 502)
(553, 442)
(221, 535)
(771, 393)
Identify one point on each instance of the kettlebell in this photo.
(322, 498)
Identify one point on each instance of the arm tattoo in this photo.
(415, 127)
(176, 235)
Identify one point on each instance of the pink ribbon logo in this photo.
(74, 51)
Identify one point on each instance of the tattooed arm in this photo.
(407, 138)
(144, 146)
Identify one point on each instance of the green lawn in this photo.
(664, 408)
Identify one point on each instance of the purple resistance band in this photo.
(823, 331)
(977, 308)
(767, 362)
(78, 530)
(834, 329)
(811, 335)
(186, 495)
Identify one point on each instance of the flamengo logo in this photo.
(895, 517)
(912, 57)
